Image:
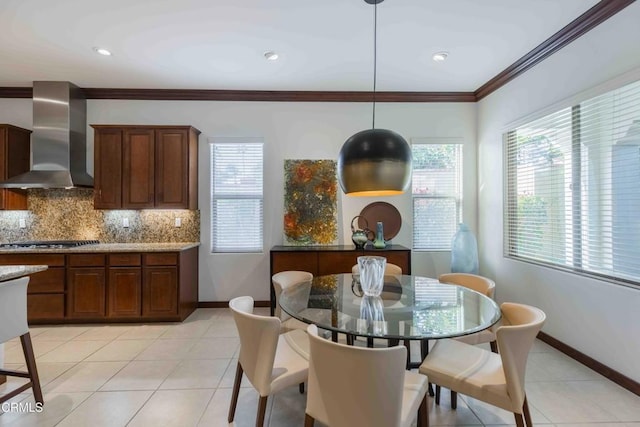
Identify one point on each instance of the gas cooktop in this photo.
(48, 244)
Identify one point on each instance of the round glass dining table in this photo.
(409, 308)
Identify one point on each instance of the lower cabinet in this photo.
(124, 290)
(322, 260)
(105, 287)
(86, 293)
(160, 292)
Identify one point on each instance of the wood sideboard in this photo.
(321, 260)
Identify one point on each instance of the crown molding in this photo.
(276, 96)
(593, 17)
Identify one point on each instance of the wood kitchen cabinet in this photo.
(86, 286)
(124, 286)
(46, 289)
(110, 287)
(160, 289)
(15, 159)
(145, 167)
(322, 260)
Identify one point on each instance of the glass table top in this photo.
(410, 307)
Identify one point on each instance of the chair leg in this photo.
(494, 346)
(437, 394)
(519, 421)
(301, 388)
(30, 360)
(350, 339)
(3, 379)
(430, 388)
(262, 409)
(424, 349)
(423, 413)
(454, 399)
(527, 414)
(234, 394)
(308, 420)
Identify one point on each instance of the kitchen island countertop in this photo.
(108, 247)
(8, 272)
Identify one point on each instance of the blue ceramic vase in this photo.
(464, 251)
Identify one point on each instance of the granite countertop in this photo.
(8, 272)
(109, 247)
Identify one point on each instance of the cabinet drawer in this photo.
(45, 306)
(32, 259)
(86, 260)
(161, 259)
(51, 280)
(124, 259)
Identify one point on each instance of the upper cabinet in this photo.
(145, 167)
(15, 159)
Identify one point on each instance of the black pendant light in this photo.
(374, 162)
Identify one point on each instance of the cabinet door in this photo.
(138, 168)
(172, 169)
(15, 159)
(86, 293)
(124, 292)
(337, 262)
(160, 292)
(45, 307)
(303, 261)
(107, 169)
(400, 258)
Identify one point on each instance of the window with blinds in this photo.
(236, 195)
(437, 193)
(572, 188)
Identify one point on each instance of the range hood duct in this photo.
(58, 142)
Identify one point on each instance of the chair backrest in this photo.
(389, 270)
(354, 386)
(258, 342)
(13, 308)
(472, 281)
(521, 324)
(284, 280)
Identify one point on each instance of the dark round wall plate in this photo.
(384, 212)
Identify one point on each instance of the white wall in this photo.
(597, 318)
(290, 131)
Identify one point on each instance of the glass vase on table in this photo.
(372, 274)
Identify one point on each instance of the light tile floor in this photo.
(181, 375)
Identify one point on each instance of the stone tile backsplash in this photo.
(69, 214)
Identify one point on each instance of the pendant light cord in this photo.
(375, 61)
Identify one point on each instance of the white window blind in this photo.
(572, 188)
(236, 196)
(437, 191)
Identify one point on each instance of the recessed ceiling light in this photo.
(440, 56)
(102, 51)
(271, 55)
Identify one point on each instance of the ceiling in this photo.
(324, 45)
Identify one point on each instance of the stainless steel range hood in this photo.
(58, 142)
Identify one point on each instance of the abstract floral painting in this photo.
(310, 202)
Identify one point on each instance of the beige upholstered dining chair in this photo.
(354, 386)
(389, 270)
(284, 280)
(497, 379)
(270, 360)
(484, 286)
(13, 324)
